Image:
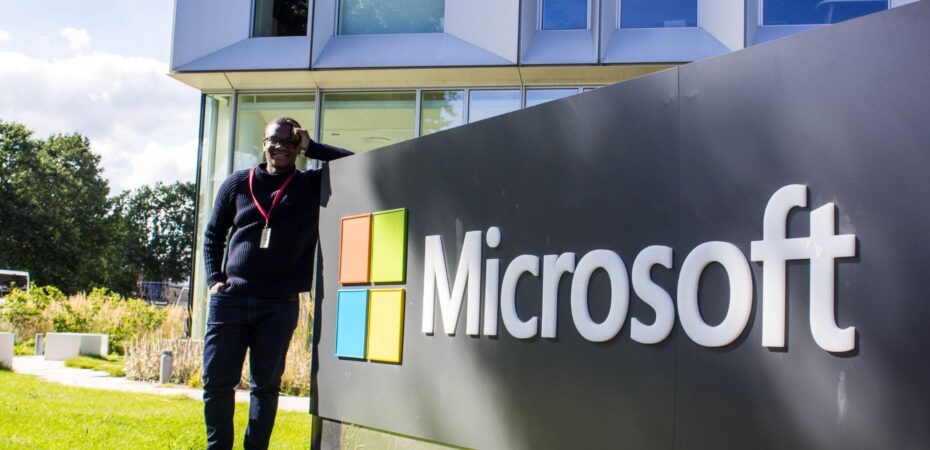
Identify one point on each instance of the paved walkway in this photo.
(55, 371)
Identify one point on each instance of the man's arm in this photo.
(214, 242)
(325, 152)
(315, 150)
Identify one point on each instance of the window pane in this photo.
(565, 14)
(255, 111)
(391, 16)
(538, 96)
(280, 18)
(658, 13)
(490, 103)
(441, 110)
(362, 121)
(808, 12)
(214, 166)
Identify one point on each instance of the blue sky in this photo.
(99, 67)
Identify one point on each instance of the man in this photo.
(272, 212)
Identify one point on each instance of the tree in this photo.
(52, 208)
(155, 225)
(57, 222)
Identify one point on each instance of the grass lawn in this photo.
(111, 364)
(42, 415)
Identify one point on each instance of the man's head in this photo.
(281, 144)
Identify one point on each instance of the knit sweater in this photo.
(286, 266)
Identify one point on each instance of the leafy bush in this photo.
(45, 309)
(25, 348)
(25, 311)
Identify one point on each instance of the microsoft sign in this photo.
(822, 248)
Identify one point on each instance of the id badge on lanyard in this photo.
(265, 240)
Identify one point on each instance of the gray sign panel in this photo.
(677, 158)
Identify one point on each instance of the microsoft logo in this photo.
(370, 320)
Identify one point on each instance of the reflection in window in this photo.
(391, 16)
(809, 12)
(538, 96)
(362, 121)
(658, 13)
(254, 111)
(441, 110)
(280, 18)
(214, 167)
(489, 103)
(564, 14)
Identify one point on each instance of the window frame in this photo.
(697, 22)
(541, 4)
(337, 17)
(252, 21)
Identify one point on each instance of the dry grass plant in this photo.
(143, 355)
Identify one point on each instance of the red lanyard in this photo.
(267, 215)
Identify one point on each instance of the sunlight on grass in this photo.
(112, 364)
(40, 414)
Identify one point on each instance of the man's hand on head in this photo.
(301, 135)
(218, 288)
(304, 138)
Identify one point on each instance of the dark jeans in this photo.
(234, 324)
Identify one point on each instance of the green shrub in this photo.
(25, 311)
(25, 348)
(46, 308)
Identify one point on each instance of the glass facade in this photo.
(441, 110)
(254, 111)
(357, 120)
(280, 18)
(391, 16)
(658, 13)
(811, 12)
(214, 167)
(539, 96)
(483, 104)
(362, 121)
(564, 14)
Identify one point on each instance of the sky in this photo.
(99, 68)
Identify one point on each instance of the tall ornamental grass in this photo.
(143, 357)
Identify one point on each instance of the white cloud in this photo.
(141, 122)
(78, 39)
(43, 40)
(4, 36)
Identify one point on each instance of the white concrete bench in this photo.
(62, 346)
(6, 350)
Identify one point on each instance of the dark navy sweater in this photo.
(286, 266)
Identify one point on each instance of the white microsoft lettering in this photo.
(775, 249)
(436, 276)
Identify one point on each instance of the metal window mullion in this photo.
(416, 113)
(252, 20)
(467, 107)
(539, 14)
(231, 150)
(318, 114)
(619, 7)
(197, 182)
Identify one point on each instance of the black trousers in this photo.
(236, 324)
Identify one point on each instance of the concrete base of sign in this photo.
(6, 350)
(62, 346)
(339, 435)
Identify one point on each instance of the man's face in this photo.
(280, 146)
